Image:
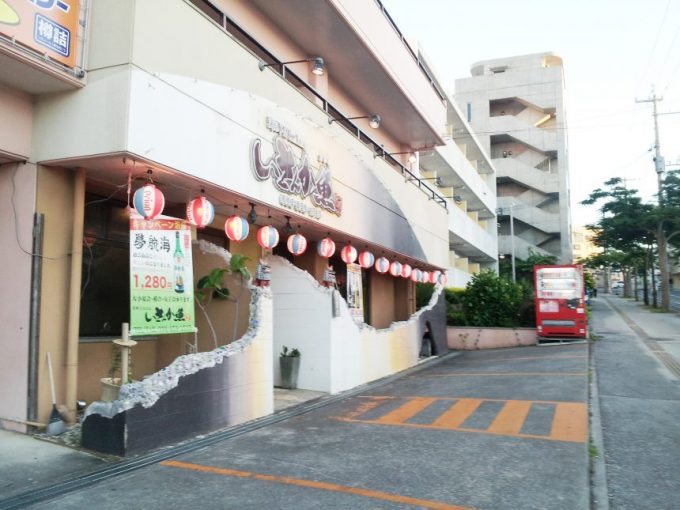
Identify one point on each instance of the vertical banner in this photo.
(161, 277)
(355, 293)
(48, 26)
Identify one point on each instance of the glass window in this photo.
(105, 288)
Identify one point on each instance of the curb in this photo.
(599, 494)
(126, 466)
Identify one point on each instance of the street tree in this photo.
(630, 225)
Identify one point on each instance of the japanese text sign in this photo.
(161, 277)
(47, 26)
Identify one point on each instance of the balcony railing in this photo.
(424, 70)
(250, 43)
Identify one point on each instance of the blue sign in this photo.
(52, 35)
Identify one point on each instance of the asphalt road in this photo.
(486, 430)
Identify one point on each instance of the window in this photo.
(469, 112)
(105, 287)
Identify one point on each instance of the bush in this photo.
(490, 301)
(424, 293)
(454, 307)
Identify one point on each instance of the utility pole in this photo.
(660, 167)
(512, 241)
(659, 164)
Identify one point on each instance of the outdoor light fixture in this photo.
(318, 67)
(252, 215)
(287, 228)
(374, 121)
(411, 158)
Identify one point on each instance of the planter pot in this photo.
(110, 388)
(290, 366)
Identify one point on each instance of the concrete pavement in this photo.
(639, 401)
(485, 429)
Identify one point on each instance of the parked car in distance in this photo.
(617, 288)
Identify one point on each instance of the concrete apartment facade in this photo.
(516, 107)
(223, 99)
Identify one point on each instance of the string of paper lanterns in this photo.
(149, 202)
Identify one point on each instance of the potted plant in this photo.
(289, 361)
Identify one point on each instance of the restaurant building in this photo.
(313, 119)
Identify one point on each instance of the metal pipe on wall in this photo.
(34, 320)
(74, 294)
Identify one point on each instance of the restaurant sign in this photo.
(161, 277)
(47, 26)
(291, 172)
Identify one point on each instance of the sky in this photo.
(613, 51)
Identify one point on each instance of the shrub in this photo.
(424, 293)
(493, 301)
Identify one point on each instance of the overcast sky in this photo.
(613, 51)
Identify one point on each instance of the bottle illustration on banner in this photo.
(179, 266)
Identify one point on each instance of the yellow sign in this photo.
(47, 26)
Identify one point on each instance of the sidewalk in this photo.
(657, 330)
(637, 376)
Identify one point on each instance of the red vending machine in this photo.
(560, 301)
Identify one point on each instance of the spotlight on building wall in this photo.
(374, 120)
(412, 158)
(318, 66)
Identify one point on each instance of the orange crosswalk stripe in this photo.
(511, 417)
(456, 415)
(570, 422)
(406, 411)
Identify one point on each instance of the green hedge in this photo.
(489, 300)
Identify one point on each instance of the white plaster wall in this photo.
(16, 226)
(337, 352)
(360, 353)
(302, 314)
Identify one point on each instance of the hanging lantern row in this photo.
(149, 202)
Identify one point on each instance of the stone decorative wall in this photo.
(195, 394)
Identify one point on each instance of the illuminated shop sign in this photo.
(290, 171)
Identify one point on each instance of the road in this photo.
(485, 430)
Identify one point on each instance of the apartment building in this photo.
(516, 106)
(290, 118)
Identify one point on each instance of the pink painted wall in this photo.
(16, 225)
(470, 339)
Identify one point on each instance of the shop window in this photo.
(105, 287)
